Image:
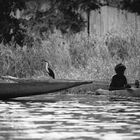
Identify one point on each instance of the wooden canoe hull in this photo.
(35, 87)
(132, 92)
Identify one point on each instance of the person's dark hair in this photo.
(120, 68)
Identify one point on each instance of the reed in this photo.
(74, 56)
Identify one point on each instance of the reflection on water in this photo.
(70, 117)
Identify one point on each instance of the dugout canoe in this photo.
(130, 92)
(29, 87)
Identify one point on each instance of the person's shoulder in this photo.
(124, 76)
(115, 76)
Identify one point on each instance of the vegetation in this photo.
(9, 25)
(56, 34)
(63, 15)
(74, 57)
(132, 5)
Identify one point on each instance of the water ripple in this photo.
(69, 117)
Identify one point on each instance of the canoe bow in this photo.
(29, 87)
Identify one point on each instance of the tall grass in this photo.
(75, 56)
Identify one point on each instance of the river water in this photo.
(70, 117)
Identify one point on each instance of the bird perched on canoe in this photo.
(48, 69)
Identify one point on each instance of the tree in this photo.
(65, 15)
(9, 24)
(87, 6)
(71, 18)
(131, 5)
(68, 14)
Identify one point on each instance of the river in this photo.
(70, 117)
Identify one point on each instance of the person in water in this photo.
(119, 80)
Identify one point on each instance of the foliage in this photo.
(122, 45)
(81, 49)
(19, 62)
(35, 23)
(73, 57)
(9, 25)
(132, 5)
(72, 11)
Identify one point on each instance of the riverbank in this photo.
(79, 57)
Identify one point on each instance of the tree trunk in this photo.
(88, 22)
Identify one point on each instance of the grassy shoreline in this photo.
(77, 57)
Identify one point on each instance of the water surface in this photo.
(70, 117)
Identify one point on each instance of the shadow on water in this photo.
(130, 99)
(29, 100)
(61, 96)
(51, 98)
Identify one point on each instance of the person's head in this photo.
(120, 68)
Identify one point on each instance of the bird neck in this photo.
(47, 66)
